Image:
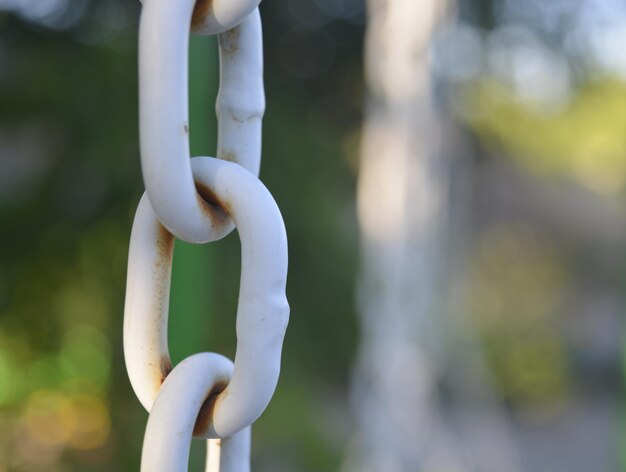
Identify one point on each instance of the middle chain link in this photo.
(262, 312)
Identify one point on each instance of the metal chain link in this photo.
(163, 113)
(173, 419)
(200, 200)
(262, 311)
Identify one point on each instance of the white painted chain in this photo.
(163, 112)
(173, 419)
(198, 200)
(262, 313)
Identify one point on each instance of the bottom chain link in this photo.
(186, 397)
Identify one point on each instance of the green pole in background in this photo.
(192, 271)
(190, 324)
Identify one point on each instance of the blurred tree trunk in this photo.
(400, 204)
(403, 210)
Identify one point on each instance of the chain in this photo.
(201, 200)
(163, 105)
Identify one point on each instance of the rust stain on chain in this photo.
(162, 266)
(205, 416)
(165, 243)
(212, 205)
(229, 156)
(166, 367)
(229, 40)
(202, 9)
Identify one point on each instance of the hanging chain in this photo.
(163, 105)
(201, 200)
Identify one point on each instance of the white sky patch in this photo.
(608, 46)
(537, 73)
(34, 10)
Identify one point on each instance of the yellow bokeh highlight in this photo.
(53, 418)
(583, 140)
(49, 417)
(516, 289)
(93, 426)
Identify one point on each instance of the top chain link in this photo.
(163, 106)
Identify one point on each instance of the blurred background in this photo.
(452, 178)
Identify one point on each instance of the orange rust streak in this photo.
(205, 416)
(166, 367)
(202, 9)
(212, 205)
(165, 242)
(228, 156)
(162, 264)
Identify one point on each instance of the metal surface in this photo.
(200, 200)
(185, 394)
(216, 16)
(163, 102)
(262, 314)
(241, 99)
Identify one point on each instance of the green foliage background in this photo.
(71, 94)
(534, 283)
